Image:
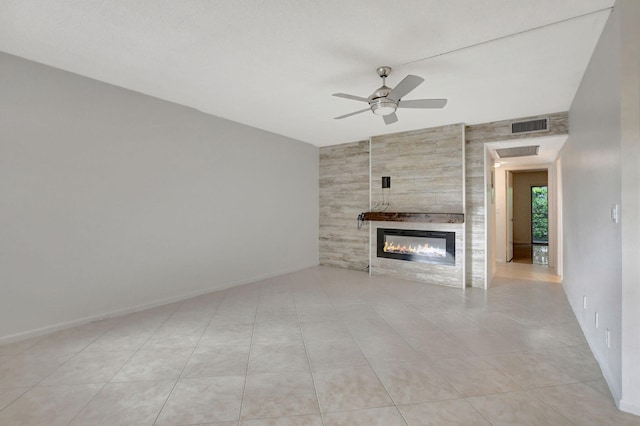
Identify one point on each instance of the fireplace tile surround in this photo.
(446, 275)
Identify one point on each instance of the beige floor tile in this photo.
(6, 358)
(383, 416)
(311, 420)
(129, 338)
(389, 349)
(350, 389)
(20, 346)
(577, 361)
(412, 326)
(154, 365)
(29, 369)
(278, 358)
(484, 342)
(437, 345)
(517, 408)
(455, 412)
(50, 405)
(126, 403)
(335, 354)
(481, 382)
(68, 341)
(319, 331)
(316, 311)
(529, 370)
(175, 337)
(278, 395)
(363, 328)
(220, 360)
(217, 334)
(411, 383)
(524, 331)
(584, 406)
(568, 332)
(460, 365)
(287, 331)
(276, 313)
(8, 395)
(203, 400)
(601, 386)
(450, 321)
(88, 367)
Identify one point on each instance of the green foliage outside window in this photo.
(539, 214)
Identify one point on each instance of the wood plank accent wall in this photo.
(344, 193)
(476, 136)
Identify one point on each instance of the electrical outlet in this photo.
(386, 182)
(584, 302)
(607, 336)
(615, 213)
(597, 320)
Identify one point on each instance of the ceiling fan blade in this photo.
(352, 97)
(409, 83)
(351, 113)
(390, 119)
(423, 103)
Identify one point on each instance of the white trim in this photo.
(465, 258)
(370, 201)
(629, 407)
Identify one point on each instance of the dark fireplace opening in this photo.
(417, 246)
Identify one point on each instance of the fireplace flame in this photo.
(420, 249)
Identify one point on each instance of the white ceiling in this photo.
(274, 64)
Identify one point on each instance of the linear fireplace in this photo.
(417, 246)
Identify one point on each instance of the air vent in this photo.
(520, 151)
(541, 125)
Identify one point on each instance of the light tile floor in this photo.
(322, 346)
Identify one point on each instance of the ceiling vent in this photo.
(520, 151)
(531, 126)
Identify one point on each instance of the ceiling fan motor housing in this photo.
(379, 103)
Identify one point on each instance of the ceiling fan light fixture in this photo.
(384, 107)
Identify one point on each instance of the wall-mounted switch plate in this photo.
(386, 182)
(597, 320)
(607, 336)
(615, 213)
(584, 302)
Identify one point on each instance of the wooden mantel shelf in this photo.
(413, 217)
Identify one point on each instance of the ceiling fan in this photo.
(384, 101)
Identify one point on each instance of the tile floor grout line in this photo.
(306, 351)
(178, 378)
(369, 362)
(246, 375)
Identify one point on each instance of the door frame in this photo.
(554, 185)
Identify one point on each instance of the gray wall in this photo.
(593, 160)
(111, 200)
(630, 124)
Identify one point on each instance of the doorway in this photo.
(507, 198)
(530, 216)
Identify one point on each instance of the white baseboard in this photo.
(137, 308)
(629, 407)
